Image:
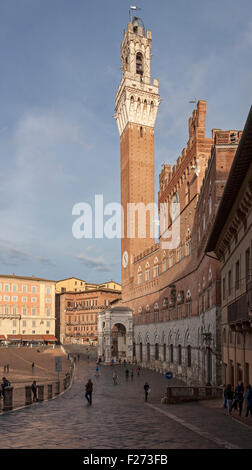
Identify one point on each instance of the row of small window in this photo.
(85, 303)
(24, 323)
(6, 310)
(14, 332)
(14, 298)
(82, 328)
(248, 272)
(164, 316)
(14, 288)
(82, 318)
(166, 264)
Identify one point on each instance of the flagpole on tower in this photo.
(133, 8)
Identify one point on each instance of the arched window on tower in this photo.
(141, 131)
(139, 63)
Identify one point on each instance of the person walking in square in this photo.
(238, 397)
(115, 378)
(229, 397)
(89, 391)
(34, 390)
(248, 401)
(126, 375)
(146, 390)
(132, 375)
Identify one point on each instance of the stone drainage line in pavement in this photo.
(195, 429)
(39, 402)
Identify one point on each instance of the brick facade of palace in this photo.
(178, 327)
(77, 312)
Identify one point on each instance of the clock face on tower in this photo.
(125, 259)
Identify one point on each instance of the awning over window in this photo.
(49, 338)
(14, 337)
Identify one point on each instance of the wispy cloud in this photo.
(46, 261)
(97, 263)
(11, 255)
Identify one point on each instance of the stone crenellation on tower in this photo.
(137, 99)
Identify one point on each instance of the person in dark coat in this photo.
(34, 390)
(146, 390)
(238, 397)
(89, 391)
(4, 385)
(229, 396)
(248, 401)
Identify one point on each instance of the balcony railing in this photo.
(239, 310)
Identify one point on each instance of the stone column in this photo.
(28, 395)
(107, 338)
(8, 399)
(40, 389)
(129, 347)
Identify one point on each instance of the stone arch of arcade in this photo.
(115, 335)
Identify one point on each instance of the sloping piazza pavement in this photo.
(119, 417)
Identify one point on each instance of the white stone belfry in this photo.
(121, 318)
(137, 99)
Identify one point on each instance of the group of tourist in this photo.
(5, 383)
(234, 399)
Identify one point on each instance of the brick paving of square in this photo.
(119, 418)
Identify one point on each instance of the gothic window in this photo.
(139, 63)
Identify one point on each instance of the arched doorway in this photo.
(118, 341)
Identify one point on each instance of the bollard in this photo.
(196, 392)
(49, 391)
(57, 388)
(28, 395)
(40, 389)
(8, 399)
(169, 393)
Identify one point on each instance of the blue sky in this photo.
(59, 145)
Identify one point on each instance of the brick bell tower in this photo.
(137, 102)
